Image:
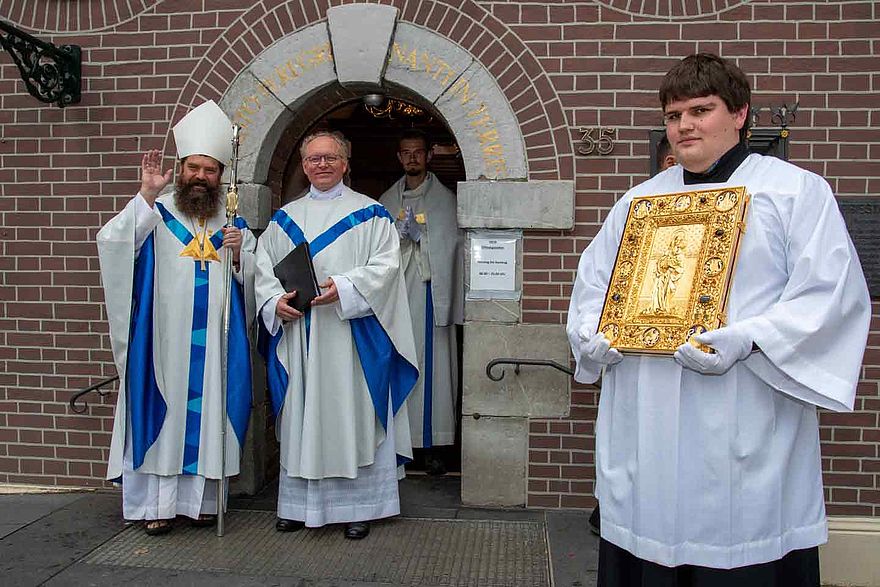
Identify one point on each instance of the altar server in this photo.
(708, 464)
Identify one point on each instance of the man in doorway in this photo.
(161, 264)
(429, 250)
(708, 464)
(340, 372)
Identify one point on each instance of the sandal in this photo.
(157, 527)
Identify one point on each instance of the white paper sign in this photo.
(493, 264)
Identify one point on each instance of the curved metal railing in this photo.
(517, 363)
(96, 388)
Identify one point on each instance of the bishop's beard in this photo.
(195, 202)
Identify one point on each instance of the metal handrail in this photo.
(96, 387)
(518, 362)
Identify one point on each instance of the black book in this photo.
(296, 272)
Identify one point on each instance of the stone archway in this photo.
(493, 106)
(364, 48)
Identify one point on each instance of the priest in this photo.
(340, 371)
(425, 212)
(708, 463)
(161, 265)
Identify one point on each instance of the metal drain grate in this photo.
(404, 551)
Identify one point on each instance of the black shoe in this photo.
(594, 522)
(357, 530)
(157, 527)
(204, 521)
(435, 467)
(283, 525)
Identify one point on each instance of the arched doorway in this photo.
(494, 110)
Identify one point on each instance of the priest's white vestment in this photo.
(165, 308)
(339, 377)
(432, 270)
(724, 470)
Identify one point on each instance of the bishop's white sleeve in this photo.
(590, 286)
(146, 219)
(813, 338)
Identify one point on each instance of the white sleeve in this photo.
(146, 218)
(813, 337)
(270, 318)
(588, 295)
(351, 303)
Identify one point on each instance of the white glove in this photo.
(731, 344)
(597, 348)
(413, 230)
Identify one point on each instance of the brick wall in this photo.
(63, 173)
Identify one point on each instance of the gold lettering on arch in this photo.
(479, 119)
(281, 75)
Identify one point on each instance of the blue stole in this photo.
(384, 368)
(147, 407)
(428, 375)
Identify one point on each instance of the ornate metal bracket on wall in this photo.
(772, 141)
(51, 74)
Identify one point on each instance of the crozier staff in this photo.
(164, 289)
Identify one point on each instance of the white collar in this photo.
(331, 194)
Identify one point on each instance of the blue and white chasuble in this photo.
(165, 306)
(335, 381)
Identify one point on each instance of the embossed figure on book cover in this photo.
(674, 266)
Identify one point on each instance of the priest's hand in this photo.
(232, 241)
(597, 348)
(731, 344)
(284, 311)
(329, 296)
(153, 181)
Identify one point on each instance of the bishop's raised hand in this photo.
(153, 181)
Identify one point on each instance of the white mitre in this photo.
(206, 130)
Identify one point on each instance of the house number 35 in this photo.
(596, 139)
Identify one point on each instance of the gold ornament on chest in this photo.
(200, 248)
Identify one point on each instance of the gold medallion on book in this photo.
(674, 267)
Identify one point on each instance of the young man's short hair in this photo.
(416, 134)
(705, 74)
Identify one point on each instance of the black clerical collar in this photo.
(722, 169)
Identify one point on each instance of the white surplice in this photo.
(332, 441)
(724, 470)
(432, 270)
(183, 357)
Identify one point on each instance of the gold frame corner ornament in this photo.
(674, 266)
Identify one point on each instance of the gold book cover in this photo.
(672, 275)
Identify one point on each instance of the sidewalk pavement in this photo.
(44, 537)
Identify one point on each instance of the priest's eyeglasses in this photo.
(328, 159)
